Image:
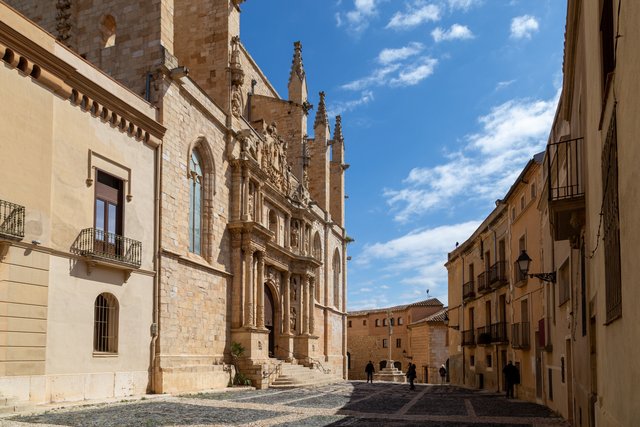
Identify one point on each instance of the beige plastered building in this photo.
(418, 335)
(582, 361)
(239, 214)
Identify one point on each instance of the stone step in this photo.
(292, 376)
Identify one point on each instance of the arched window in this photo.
(336, 279)
(317, 246)
(383, 364)
(195, 203)
(399, 320)
(384, 322)
(391, 320)
(105, 324)
(108, 30)
(377, 322)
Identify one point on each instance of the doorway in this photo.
(269, 318)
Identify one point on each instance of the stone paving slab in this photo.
(344, 404)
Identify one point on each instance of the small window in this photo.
(105, 324)
(533, 191)
(399, 320)
(562, 369)
(108, 30)
(385, 343)
(513, 213)
(550, 375)
(398, 342)
(489, 361)
(472, 360)
(522, 203)
(364, 322)
(391, 320)
(349, 323)
(384, 322)
(377, 322)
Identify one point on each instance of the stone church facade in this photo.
(247, 239)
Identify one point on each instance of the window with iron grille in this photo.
(105, 330)
(611, 224)
(398, 342)
(385, 343)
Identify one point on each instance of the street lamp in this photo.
(523, 264)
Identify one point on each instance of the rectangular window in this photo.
(513, 213)
(533, 191)
(364, 322)
(398, 342)
(521, 203)
(349, 323)
(564, 289)
(611, 224)
(472, 360)
(607, 40)
(108, 214)
(399, 320)
(385, 343)
(377, 322)
(489, 361)
(550, 376)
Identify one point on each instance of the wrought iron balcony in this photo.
(520, 335)
(102, 246)
(11, 221)
(483, 282)
(498, 274)
(468, 337)
(484, 335)
(565, 185)
(499, 332)
(468, 290)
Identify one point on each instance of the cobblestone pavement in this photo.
(343, 404)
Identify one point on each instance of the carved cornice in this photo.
(63, 79)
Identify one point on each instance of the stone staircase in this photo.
(292, 376)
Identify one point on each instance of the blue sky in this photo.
(443, 103)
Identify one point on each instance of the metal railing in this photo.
(315, 362)
(276, 371)
(484, 335)
(109, 246)
(468, 290)
(468, 337)
(11, 220)
(499, 332)
(483, 282)
(520, 335)
(564, 169)
(498, 274)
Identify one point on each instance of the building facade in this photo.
(418, 335)
(579, 359)
(245, 231)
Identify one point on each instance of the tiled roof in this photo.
(439, 316)
(430, 302)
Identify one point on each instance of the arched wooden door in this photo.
(269, 318)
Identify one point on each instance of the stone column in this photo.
(260, 290)
(287, 231)
(287, 302)
(312, 305)
(245, 195)
(248, 287)
(304, 291)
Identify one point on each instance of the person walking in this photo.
(411, 375)
(511, 377)
(443, 374)
(369, 370)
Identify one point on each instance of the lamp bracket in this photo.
(545, 277)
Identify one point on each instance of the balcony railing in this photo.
(101, 245)
(483, 282)
(564, 168)
(499, 332)
(498, 274)
(484, 335)
(468, 290)
(11, 221)
(520, 335)
(468, 337)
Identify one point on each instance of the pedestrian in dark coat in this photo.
(411, 375)
(369, 370)
(511, 377)
(443, 373)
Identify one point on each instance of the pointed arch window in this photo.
(336, 279)
(195, 203)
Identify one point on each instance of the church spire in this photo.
(337, 133)
(321, 113)
(297, 69)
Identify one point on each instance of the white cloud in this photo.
(463, 4)
(415, 73)
(523, 26)
(456, 32)
(359, 17)
(486, 167)
(416, 14)
(344, 106)
(387, 56)
(504, 84)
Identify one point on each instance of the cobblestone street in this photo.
(349, 403)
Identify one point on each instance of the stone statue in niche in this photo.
(292, 319)
(307, 237)
(236, 101)
(295, 233)
(250, 202)
(294, 290)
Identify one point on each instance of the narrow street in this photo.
(349, 403)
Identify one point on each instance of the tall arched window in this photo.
(273, 224)
(336, 279)
(317, 254)
(105, 324)
(195, 204)
(108, 30)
